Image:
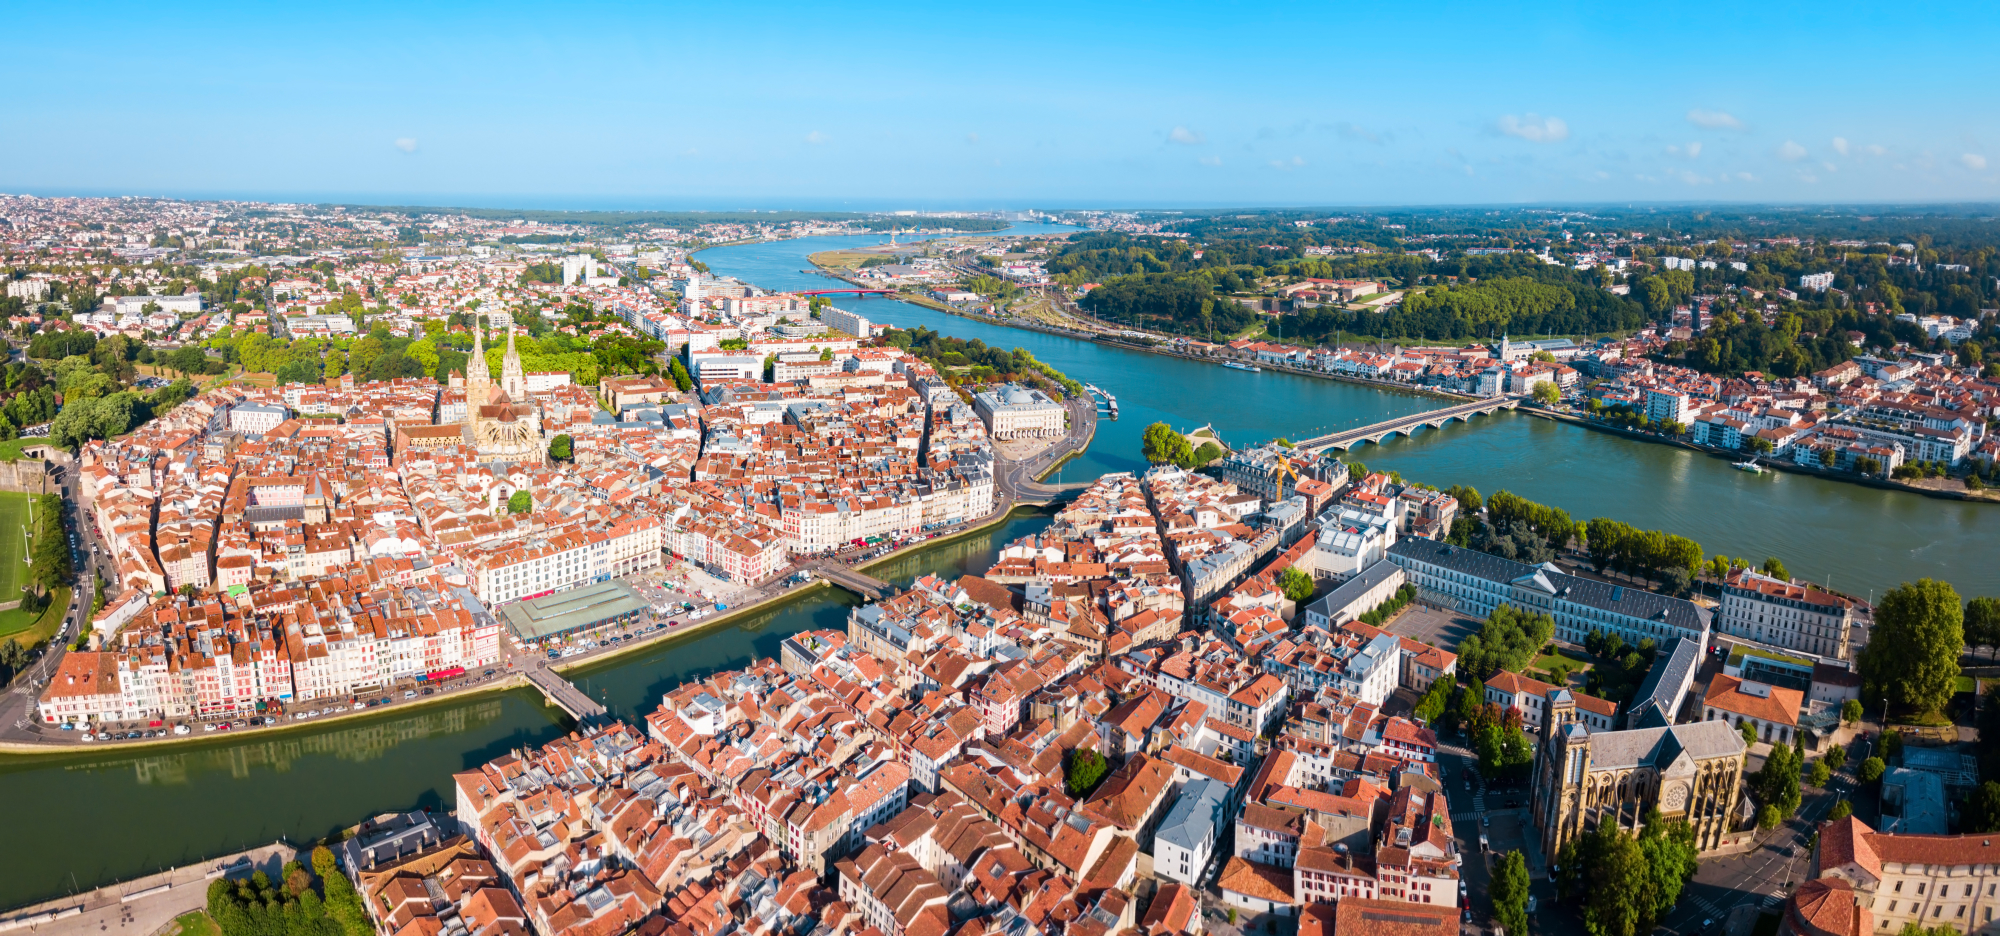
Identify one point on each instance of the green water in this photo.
(86, 820)
(80, 821)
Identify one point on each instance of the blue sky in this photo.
(821, 105)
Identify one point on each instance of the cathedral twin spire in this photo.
(479, 377)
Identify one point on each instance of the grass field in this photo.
(13, 546)
(28, 629)
(195, 923)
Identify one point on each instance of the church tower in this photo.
(478, 379)
(513, 381)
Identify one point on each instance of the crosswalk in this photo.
(1707, 906)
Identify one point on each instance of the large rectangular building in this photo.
(846, 321)
(1017, 412)
(1783, 614)
(1477, 582)
(578, 609)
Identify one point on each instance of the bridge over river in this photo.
(1404, 425)
(564, 694)
(841, 574)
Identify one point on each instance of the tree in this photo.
(1768, 817)
(1671, 854)
(343, 903)
(1431, 707)
(679, 373)
(1546, 393)
(520, 502)
(1749, 733)
(1776, 569)
(1982, 809)
(1778, 783)
(1509, 891)
(1086, 769)
(1468, 498)
(1296, 585)
(1912, 655)
(1161, 445)
(1982, 622)
(1821, 773)
(1871, 770)
(1850, 711)
(1619, 898)
(1508, 640)
(1840, 810)
(562, 447)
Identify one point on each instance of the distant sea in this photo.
(551, 202)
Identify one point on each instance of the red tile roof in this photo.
(1779, 707)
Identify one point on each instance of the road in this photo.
(17, 704)
(1014, 481)
(1764, 875)
(1746, 883)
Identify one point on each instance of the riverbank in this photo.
(147, 904)
(500, 684)
(1775, 464)
(617, 654)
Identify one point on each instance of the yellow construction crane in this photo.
(1279, 470)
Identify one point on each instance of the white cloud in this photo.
(1747, 177)
(1534, 129)
(1714, 120)
(1186, 137)
(1351, 131)
(1694, 149)
(1288, 164)
(1973, 161)
(1840, 145)
(1791, 152)
(1210, 160)
(815, 138)
(1877, 149)
(406, 144)
(972, 138)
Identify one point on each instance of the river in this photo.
(1859, 539)
(89, 819)
(80, 821)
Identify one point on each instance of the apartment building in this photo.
(1790, 615)
(1893, 881)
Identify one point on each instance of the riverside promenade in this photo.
(143, 906)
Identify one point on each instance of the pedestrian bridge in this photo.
(564, 694)
(867, 586)
(1405, 425)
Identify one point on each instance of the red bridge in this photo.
(840, 292)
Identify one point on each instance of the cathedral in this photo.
(1583, 778)
(502, 422)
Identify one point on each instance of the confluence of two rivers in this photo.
(79, 821)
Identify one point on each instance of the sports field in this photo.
(13, 546)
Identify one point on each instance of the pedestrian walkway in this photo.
(145, 905)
